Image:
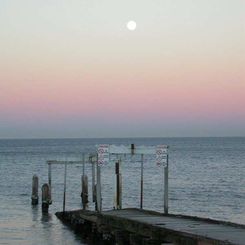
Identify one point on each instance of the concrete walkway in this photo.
(202, 229)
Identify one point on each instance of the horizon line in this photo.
(136, 137)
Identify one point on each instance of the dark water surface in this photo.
(206, 178)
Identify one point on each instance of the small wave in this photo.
(24, 194)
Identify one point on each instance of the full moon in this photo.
(131, 25)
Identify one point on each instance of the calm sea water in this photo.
(206, 178)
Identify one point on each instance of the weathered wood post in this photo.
(46, 198)
(34, 196)
(118, 186)
(85, 191)
(84, 183)
(166, 188)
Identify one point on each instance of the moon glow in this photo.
(131, 25)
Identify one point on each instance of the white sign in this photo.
(161, 155)
(160, 151)
(103, 154)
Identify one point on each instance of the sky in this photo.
(73, 69)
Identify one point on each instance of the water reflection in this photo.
(46, 217)
(35, 212)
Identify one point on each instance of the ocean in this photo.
(206, 179)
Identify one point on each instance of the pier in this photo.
(142, 227)
(137, 226)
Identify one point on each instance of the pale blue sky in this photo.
(73, 69)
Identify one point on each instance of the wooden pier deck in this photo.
(136, 226)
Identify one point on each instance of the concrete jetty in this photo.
(138, 226)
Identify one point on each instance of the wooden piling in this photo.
(85, 191)
(46, 198)
(118, 186)
(34, 196)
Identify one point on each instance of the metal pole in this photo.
(93, 181)
(83, 164)
(141, 181)
(49, 181)
(166, 188)
(120, 185)
(117, 183)
(64, 197)
(98, 189)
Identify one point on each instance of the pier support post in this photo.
(118, 186)
(64, 192)
(93, 182)
(49, 180)
(34, 196)
(85, 191)
(98, 190)
(142, 181)
(45, 198)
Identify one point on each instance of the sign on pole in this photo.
(161, 155)
(161, 159)
(105, 150)
(103, 154)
